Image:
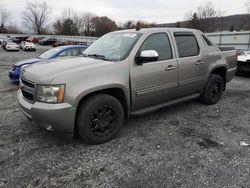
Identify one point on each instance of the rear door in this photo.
(192, 67)
(154, 82)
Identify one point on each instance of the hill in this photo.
(226, 23)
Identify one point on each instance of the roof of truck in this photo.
(158, 29)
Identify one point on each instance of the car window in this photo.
(160, 43)
(187, 44)
(69, 52)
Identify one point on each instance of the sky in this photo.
(159, 11)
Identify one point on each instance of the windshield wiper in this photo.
(98, 56)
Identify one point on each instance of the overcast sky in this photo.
(160, 11)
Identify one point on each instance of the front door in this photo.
(154, 82)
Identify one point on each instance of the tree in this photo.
(194, 22)
(205, 13)
(36, 16)
(87, 23)
(221, 14)
(129, 25)
(232, 28)
(4, 16)
(70, 23)
(103, 25)
(247, 5)
(178, 24)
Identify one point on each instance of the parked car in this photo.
(58, 43)
(1, 40)
(32, 39)
(11, 46)
(129, 72)
(28, 46)
(53, 53)
(4, 43)
(18, 40)
(61, 43)
(49, 41)
(243, 62)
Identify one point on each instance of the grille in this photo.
(28, 90)
(244, 64)
(28, 95)
(29, 84)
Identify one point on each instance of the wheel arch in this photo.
(222, 71)
(116, 92)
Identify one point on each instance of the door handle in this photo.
(170, 67)
(199, 62)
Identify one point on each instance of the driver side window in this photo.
(70, 52)
(160, 43)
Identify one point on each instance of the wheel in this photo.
(99, 119)
(213, 90)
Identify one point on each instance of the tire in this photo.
(213, 91)
(94, 126)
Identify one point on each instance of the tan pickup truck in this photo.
(129, 72)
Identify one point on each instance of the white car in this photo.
(28, 46)
(243, 62)
(11, 46)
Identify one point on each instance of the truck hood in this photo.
(27, 62)
(45, 72)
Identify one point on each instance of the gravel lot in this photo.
(186, 145)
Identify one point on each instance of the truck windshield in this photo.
(113, 47)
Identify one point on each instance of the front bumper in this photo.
(59, 118)
(29, 48)
(243, 66)
(12, 49)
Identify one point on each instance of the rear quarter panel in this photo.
(226, 59)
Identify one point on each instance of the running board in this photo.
(162, 105)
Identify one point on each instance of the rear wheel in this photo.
(213, 90)
(99, 119)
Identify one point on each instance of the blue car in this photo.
(62, 51)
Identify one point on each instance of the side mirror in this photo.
(147, 56)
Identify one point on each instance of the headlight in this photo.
(50, 94)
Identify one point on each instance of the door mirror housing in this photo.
(147, 56)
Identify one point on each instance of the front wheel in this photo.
(99, 119)
(213, 91)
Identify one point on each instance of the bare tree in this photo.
(4, 16)
(129, 25)
(247, 5)
(70, 23)
(188, 15)
(103, 25)
(36, 16)
(205, 13)
(87, 23)
(221, 14)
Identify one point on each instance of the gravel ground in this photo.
(186, 145)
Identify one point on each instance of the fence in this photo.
(87, 40)
(239, 40)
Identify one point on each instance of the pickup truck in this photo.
(124, 73)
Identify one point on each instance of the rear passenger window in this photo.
(160, 43)
(187, 44)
